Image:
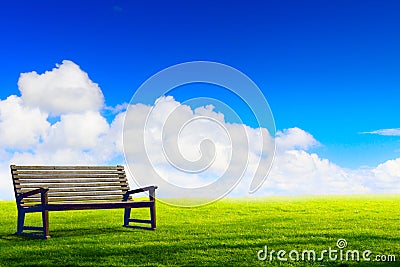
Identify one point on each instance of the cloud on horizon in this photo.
(81, 135)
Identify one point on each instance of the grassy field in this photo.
(229, 232)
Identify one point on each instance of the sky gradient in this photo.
(330, 68)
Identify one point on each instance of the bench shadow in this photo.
(14, 238)
(76, 232)
(86, 232)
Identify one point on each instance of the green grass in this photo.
(228, 232)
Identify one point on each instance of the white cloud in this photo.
(85, 138)
(6, 190)
(77, 131)
(388, 174)
(117, 109)
(385, 132)
(79, 135)
(186, 147)
(294, 138)
(297, 172)
(82, 135)
(64, 89)
(21, 127)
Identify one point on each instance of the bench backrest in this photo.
(71, 183)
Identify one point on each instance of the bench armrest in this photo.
(41, 191)
(139, 190)
(151, 190)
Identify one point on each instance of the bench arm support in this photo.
(42, 191)
(151, 190)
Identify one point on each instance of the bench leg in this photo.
(127, 216)
(152, 221)
(45, 219)
(40, 232)
(152, 197)
(21, 220)
(153, 216)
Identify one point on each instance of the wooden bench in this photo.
(55, 188)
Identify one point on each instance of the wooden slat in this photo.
(95, 193)
(16, 167)
(80, 194)
(65, 172)
(51, 176)
(81, 181)
(75, 198)
(71, 185)
(79, 189)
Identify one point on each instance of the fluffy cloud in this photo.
(297, 172)
(77, 131)
(21, 127)
(84, 138)
(388, 177)
(64, 89)
(294, 138)
(192, 148)
(59, 120)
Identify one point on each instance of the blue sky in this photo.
(330, 68)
